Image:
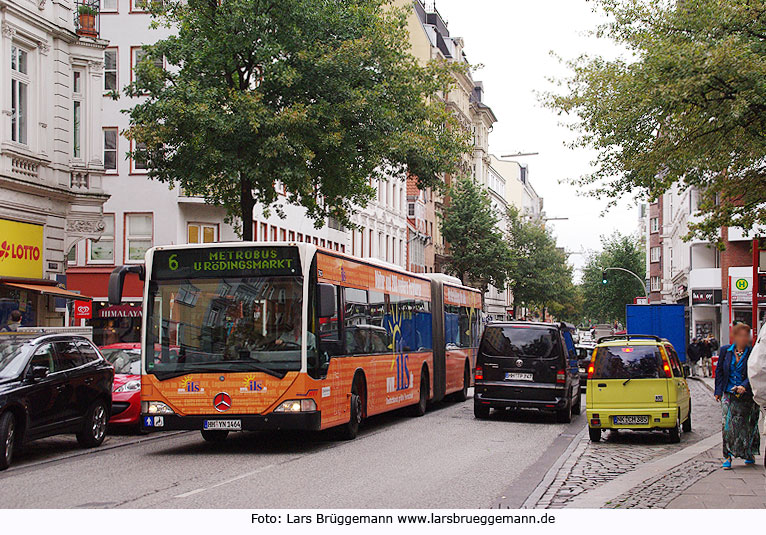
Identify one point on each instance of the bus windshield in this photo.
(235, 324)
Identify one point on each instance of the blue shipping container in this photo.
(665, 321)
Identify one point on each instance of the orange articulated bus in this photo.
(252, 336)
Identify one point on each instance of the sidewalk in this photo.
(742, 487)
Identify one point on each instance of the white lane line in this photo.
(226, 482)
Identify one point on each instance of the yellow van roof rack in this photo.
(629, 337)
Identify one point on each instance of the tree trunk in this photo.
(246, 205)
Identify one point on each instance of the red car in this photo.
(126, 393)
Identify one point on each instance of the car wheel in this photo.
(462, 395)
(687, 427)
(93, 429)
(215, 435)
(595, 434)
(675, 433)
(8, 439)
(564, 416)
(480, 412)
(577, 409)
(419, 409)
(350, 430)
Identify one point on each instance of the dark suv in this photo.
(52, 385)
(527, 365)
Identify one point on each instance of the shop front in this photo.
(706, 312)
(22, 283)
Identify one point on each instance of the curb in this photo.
(704, 383)
(537, 494)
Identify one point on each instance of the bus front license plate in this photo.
(222, 425)
(631, 420)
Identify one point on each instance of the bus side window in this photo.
(329, 334)
(356, 322)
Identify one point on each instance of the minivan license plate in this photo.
(512, 376)
(631, 420)
(224, 425)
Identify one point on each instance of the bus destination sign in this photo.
(225, 262)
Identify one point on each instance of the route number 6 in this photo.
(173, 262)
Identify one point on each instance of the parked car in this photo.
(527, 365)
(126, 396)
(52, 385)
(637, 382)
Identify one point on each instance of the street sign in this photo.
(640, 300)
(741, 289)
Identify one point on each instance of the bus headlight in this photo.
(155, 407)
(297, 405)
(130, 386)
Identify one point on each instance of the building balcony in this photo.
(86, 18)
(707, 278)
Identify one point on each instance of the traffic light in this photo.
(604, 280)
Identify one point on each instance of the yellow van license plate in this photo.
(631, 420)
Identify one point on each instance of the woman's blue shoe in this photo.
(727, 464)
(749, 461)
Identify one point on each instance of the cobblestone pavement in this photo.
(593, 464)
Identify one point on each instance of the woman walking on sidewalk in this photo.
(740, 412)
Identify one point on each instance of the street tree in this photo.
(539, 273)
(253, 98)
(685, 106)
(478, 255)
(605, 303)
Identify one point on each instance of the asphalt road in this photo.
(446, 459)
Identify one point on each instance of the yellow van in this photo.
(637, 382)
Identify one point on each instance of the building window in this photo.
(138, 236)
(334, 224)
(656, 284)
(77, 112)
(264, 232)
(282, 235)
(143, 6)
(202, 233)
(110, 149)
(654, 224)
(19, 94)
(110, 69)
(71, 256)
(102, 251)
(138, 164)
(292, 235)
(108, 6)
(654, 253)
(137, 54)
(411, 209)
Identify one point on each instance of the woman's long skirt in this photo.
(740, 427)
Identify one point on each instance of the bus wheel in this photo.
(214, 436)
(419, 409)
(350, 430)
(462, 395)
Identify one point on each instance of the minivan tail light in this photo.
(561, 376)
(591, 369)
(666, 364)
(479, 373)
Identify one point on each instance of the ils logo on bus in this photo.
(403, 378)
(190, 386)
(252, 384)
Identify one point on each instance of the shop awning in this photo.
(47, 290)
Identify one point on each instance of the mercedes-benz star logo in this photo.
(222, 402)
(519, 363)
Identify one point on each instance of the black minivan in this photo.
(527, 365)
(52, 384)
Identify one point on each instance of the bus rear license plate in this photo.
(223, 425)
(510, 376)
(631, 420)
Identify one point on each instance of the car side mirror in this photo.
(38, 373)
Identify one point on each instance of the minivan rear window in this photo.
(627, 362)
(520, 341)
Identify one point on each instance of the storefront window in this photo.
(115, 324)
(22, 300)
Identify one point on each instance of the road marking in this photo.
(226, 482)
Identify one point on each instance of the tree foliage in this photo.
(315, 96)
(539, 272)
(605, 303)
(687, 108)
(478, 253)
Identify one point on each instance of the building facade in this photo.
(51, 161)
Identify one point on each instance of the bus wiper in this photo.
(164, 376)
(253, 364)
(627, 381)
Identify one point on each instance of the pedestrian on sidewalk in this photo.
(739, 411)
(695, 354)
(706, 350)
(13, 324)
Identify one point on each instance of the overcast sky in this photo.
(513, 40)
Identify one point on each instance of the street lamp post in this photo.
(643, 284)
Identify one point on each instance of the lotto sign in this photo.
(21, 249)
(83, 310)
